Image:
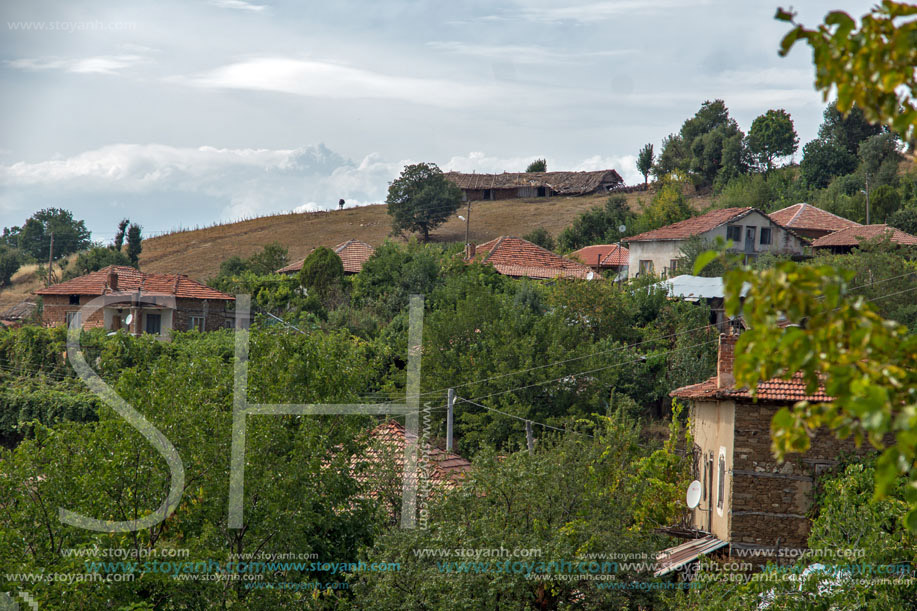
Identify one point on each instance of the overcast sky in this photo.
(178, 114)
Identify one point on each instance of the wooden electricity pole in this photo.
(50, 258)
(450, 404)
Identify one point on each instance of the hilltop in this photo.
(199, 252)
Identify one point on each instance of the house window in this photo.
(765, 235)
(153, 324)
(71, 316)
(197, 323)
(734, 233)
(74, 300)
(673, 266)
(646, 267)
(721, 482)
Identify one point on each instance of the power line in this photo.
(541, 424)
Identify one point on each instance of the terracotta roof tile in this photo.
(130, 280)
(517, 257)
(808, 217)
(607, 255)
(683, 230)
(852, 236)
(353, 254)
(775, 390)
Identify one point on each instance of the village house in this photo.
(604, 257)
(699, 289)
(809, 221)
(845, 240)
(750, 502)
(137, 302)
(518, 258)
(511, 185)
(751, 231)
(353, 254)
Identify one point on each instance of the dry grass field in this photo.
(199, 252)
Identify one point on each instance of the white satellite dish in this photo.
(693, 496)
(110, 334)
(622, 228)
(129, 319)
(590, 276)
(461, 217)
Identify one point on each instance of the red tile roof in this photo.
(353, 254)
(807, 217)
(130, 280)
(387, 446)
(517, 257)
(852, 236)
(683, 230)
(602, 255)
(774, 390)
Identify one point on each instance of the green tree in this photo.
(421, 199)
(871, 67)
(673, 156)
(846, 131)
(271, 258)
(119, 236)
(645, 161)
(669, 205)
(70, 235)
(10, 261)
(539, 165)
(823, 160)
(905, 219)
(95, 259)
(322, 272)
(540, 236)
(706, 136)
(134, 244)
(772, 135)
(598, 225)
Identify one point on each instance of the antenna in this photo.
(693, 496)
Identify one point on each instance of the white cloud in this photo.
(239, 5)
(322, 79)
(547, 11)
(522, 54)
(102, 64)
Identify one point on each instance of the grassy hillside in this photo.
(199, 252)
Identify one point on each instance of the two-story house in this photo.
(752, 233)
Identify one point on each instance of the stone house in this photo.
(136, 301)
(749, 501)
(751, 231)
(510, 185)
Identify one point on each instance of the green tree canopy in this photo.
(10, 261)
(134, 244)
(598, 225)
(540, 236)
(421, 199)
(322, 271)
(823, 160)
(95, 259)
(70, 235)
(772, 135)
(645, 160)
(846, 130)
(539, 165)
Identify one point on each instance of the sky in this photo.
(185, 114)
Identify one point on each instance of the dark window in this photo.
(673, 266)
(734, 233)
(646, 266)
(765, 235)
(721, 483)
(153, 323)
(74, 300)
(197, 323)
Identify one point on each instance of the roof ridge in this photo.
(494, 249)
(802, 206)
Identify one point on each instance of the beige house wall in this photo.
(714, 430)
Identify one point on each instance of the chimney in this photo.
(470, 249)
(724, 361)
(113, 280)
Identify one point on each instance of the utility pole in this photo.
(450, 404)
(867, 198)
(529, 436)
(50, 258)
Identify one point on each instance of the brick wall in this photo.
(214, 312)
(55, 309)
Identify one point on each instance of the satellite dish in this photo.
(693, 496)
(622, 228)
(590, 276)
(129, 319)
(461, 217)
